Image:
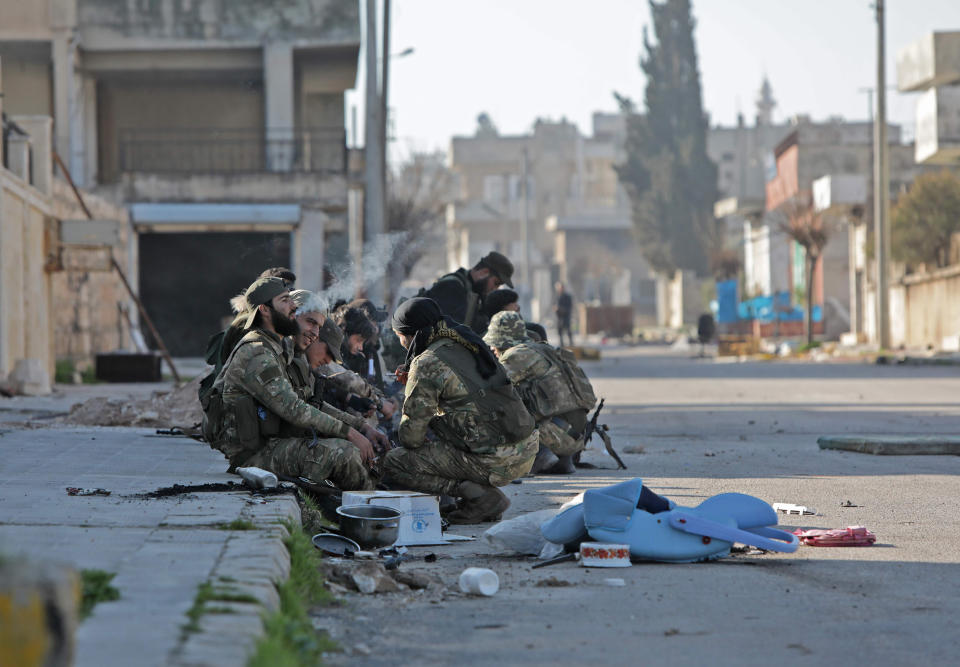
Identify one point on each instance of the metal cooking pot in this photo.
(372, 526)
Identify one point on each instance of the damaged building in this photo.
(218, 126)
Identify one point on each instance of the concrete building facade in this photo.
(578, 215)
(220, 125)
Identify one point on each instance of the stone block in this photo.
(29, 378)
(39, 609)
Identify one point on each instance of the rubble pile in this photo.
(180, 408)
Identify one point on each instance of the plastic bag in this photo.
(520, 534)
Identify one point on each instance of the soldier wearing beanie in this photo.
(461, 294)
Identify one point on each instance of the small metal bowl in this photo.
(335, 545)
(371, 526)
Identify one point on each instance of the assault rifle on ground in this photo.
(602, 430)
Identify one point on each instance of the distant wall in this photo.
(932, 307)
(25, 325)
(86, 293)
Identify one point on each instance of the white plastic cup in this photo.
(479, 581)
(258, 478)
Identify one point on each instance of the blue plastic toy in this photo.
(679, 535)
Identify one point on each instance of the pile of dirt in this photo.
(179, 407)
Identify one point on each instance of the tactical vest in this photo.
(562, 395)
(501, 417)
(250, 421)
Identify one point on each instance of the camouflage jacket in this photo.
(304, 383)
(546, 394)
(350, 381)
(258, 370)
(435, 390)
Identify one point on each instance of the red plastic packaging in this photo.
(851, 536)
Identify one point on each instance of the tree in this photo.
(807, 227)
(671, 181)
(925, 219)
(418, 196)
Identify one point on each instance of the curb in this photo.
(891, 445)
(250, 566)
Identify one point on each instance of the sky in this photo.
(519, 60)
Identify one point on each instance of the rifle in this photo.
(601, 430)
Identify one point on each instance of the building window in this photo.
(493, 189)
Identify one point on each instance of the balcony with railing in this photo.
(232, 151)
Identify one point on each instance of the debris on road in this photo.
(77, 491)
(849, 504)
(179, 407)
(553, 582)
(520, 534)
(634, 449)
(479, 581)
(790, 508)
(851, 536)
(614, 582)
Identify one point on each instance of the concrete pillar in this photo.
(279, 105)
(41, 136)
(309, 249)
(18, 155)
(63, 88)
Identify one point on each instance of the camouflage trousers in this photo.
(330, 458)
(557, 440)
(438, 467)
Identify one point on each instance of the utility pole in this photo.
(525, 234)
(881, 189)
(373, 173)
(384, 107)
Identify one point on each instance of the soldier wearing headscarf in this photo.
(464, 431)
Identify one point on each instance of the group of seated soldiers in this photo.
(300, 388)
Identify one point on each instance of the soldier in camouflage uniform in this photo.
(259, 420)
(545, 390)
(456, 440)
(309, 352)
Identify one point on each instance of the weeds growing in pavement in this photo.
(96, 588)
(290, 638)
(206, 592)
(239, 524)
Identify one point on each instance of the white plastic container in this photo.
(258, 478)
(479, 581)
(602, 554)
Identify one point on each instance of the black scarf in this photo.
(422, 318)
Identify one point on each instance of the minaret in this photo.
(765, 103)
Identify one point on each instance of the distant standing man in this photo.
(461, 294)
(563, 311)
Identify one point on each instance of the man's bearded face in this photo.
(283, 324)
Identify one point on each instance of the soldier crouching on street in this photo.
(543, 381)
(310, 350)
(253, 406)
(464, 431)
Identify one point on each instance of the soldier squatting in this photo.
(480, 398)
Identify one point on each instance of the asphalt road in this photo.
(706, 428)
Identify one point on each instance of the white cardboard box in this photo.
(420, 523)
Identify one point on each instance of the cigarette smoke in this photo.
(378, 256)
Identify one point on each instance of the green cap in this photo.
(260, 292)
(331, 335)
(506, 329)
(500, 266)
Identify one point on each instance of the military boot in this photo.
(478, 504)
(545, 459)
(563, 466)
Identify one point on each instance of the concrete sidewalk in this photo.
(161, 549)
